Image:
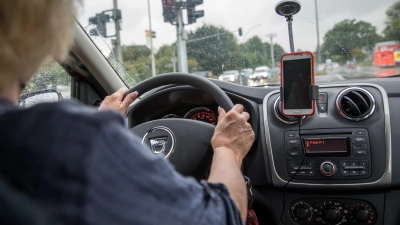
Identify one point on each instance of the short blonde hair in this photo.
(32, 30)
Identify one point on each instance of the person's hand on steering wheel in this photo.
(117, 101)
(233, 132)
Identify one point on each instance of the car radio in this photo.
(337, 154)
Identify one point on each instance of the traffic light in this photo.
(191, 10)
(169, 10)
(240, 31)
(100, 21)
(150, 33)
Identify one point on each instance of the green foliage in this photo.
(214, 54)
(347, 35)
(258, 53)
(358, 54)
(48, 76)
(392, 29)
(134, 52)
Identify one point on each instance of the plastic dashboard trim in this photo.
(384, 182)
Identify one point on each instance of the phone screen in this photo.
(297, 81)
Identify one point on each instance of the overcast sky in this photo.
(255, 17)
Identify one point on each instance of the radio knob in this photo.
(327, 168)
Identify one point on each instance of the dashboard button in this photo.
(364, 171)
(359, 146)
(359, 140)
(295, 148)
(321, 108)
(310, 164)
(295, 154)
(345, 172)
(354, 172)
(311, 173)
(323, 98)
(344, 163)
(364, 163)
(360, 152)
(353, 163)
(293, 142)
(292, 164)
(360, 132)
(292, 135)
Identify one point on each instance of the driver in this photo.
(64, 163)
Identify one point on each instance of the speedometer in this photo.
(202, 114)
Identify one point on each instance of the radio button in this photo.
(364, 163)
(354, 172)
(311, 173)
(295, 154)
(359, 146)
(293, 142)
(345, 172)
(360, 132)
(292, 135)
(353, 163)
(292, 164)
(310, 164)
(360, 152)
(364, 172)
(359, 140)
(295, 148)
(344, 163)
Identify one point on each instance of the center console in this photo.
(345, 147)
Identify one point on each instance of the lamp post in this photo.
(316, 19)
(272, 50)
(153, 63)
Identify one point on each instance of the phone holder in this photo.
(288, 8)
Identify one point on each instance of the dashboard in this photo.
(341, 168)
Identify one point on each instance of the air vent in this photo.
(355, 104)
(280, 116)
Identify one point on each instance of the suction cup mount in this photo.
(288, 8)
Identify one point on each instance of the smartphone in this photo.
(297, 75)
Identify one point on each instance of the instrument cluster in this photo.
(200, 113)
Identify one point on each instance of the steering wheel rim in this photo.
(186, 79)
(186, 143)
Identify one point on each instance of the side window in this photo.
(50, 76)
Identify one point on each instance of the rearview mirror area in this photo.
(37, 97)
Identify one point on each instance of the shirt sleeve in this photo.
(126, 184)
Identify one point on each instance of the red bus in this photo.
(384, 59)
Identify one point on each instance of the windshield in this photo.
(261, 71)
(230, 72)
(359, 39)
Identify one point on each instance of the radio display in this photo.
(337, 145)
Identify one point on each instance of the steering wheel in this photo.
(185, 143)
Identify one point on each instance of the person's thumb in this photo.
(221, 112)
(129, 99)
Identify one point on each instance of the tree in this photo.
(217, 53)
(392, 29)
(358, 54)
(134, 52)
(258, 53)
(347, 35)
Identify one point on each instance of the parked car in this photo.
(206, 74)
(261, 72)
(230, 76)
